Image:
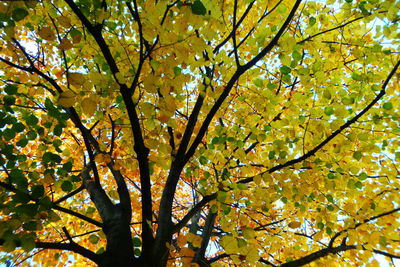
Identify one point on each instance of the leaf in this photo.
(177, 70)
(285, 69)
(312, 21)
(329, 111)
(28, 244)
(66, 99)
(89, 105)
(248, 233)
(10, 89)
(94, 239)
(137, 242)
(9, 134)
(31, 120)
(258, 82)
(64, 21)
(294, 225)
(387, 106)
(198, 8)
(37, 191)
(203, 160)
(76, 79)
(65, 44)
(19, 13)
(120, 78)
(49, 157)
(47, 34)
(357, 155)
(66, 186)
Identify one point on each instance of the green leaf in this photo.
(67, 166)
(198, 8)
(100, 250)
(203, 160)
(357, 155)
(331, 175)
(320, 225)
(242, 186)
(21, 197)
(30, 226)
(296, 55)
(348, 100)
(94, 239)
(271, 86)
(312, 21)
(9, 100)
(355, 76)
(351, 184)
(66, 186)
(329, 111)
(177, 70)
(382, 241)
(258, 82)
(31, 135)
(285, 69)
(27, 209)
(137, 252)
(19, 14)
(22, 142)
(137, 242)
(221, 196)
(18, 127)
(10, 89)
(32, 120)
(74, 32)
(28, 243)
(9, 134)
(9, 245)
(387, 105)
(49, 157)
(363, 176)
(330, 198)
(37, 191)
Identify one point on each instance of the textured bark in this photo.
(119, 250)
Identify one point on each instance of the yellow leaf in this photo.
(294, 225)
(89, 105)
(248, 233)
(194, 239)
(66, 99)
(252, 255)
(257, 179)
(120, 78)
(76, 79)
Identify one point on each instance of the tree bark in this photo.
(119, 249)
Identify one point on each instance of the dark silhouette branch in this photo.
(317, 255)
(71, 246)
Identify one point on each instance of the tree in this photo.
(147, 133)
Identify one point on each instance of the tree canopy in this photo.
(199, 132)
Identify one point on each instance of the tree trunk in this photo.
(119, 250)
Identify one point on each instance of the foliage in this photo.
(205, 132)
